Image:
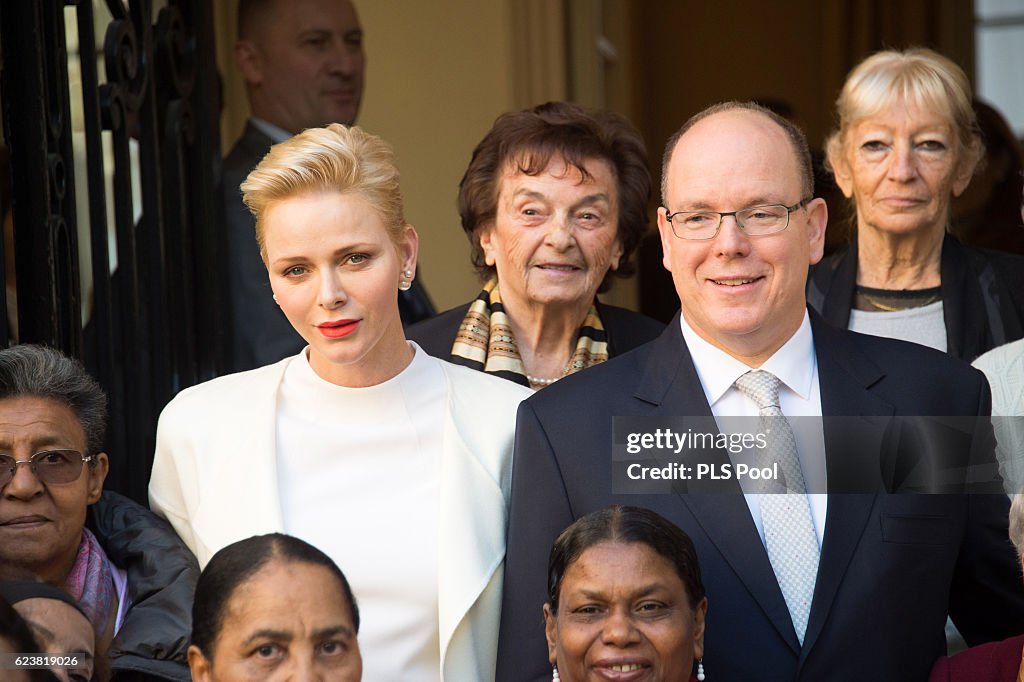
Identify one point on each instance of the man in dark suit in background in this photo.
(800, 586)
(303, 65)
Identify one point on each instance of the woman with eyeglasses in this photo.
(908, 143)
(125, 569)
(394, 463)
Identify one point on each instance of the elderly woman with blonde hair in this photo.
(908, 142)
(394, 463)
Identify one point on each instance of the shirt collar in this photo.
(793, 363)
(270, 130)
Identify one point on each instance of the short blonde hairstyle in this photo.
(1017, 522)
(335, 158)
(917, 76)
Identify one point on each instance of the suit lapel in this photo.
(255, 142)
(670, 382)
(845, 376)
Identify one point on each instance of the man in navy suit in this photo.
(880, 573)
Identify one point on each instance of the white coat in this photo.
(215, 479)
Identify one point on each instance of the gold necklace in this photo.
(892, 309)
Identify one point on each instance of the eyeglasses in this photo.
(51, 467)
(755, 221)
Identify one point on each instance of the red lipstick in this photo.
(337, 329)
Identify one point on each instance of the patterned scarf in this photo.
(91, 582)
(485, 340)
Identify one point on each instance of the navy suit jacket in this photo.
(261, 334)
(892, 565)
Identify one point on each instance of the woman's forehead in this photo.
(916, 100)
(39, 420)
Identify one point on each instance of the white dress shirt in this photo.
(270, 130)
(796, 366)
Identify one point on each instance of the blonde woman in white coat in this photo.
(394, 463)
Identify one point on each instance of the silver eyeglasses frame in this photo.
(32, 461)
(740, 221)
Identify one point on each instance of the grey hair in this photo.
(28, 370)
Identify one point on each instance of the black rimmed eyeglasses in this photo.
(755, 221)
(51, 467)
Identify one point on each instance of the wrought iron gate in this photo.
(154, 324)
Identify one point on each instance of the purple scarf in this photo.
(91, 582)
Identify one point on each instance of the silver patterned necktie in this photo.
(786, 516)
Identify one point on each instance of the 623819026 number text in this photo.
(40, 661)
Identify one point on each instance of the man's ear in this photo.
(97, 475)
(817, 221)
(667, 238)
(250, 61)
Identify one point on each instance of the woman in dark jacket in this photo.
(907, 143)
(125, 567)
(554, 203)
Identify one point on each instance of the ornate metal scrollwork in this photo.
(142, 335)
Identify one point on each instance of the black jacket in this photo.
(982, 295)
(162, 573)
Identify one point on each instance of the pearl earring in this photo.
(700, 670)
(406, 283)
(554, 674)
(275, 299)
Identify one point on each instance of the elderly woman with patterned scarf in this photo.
(128, 571)
(554, 203)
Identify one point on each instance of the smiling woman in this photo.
(362, 444)
(554, 203)
(626, 601)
